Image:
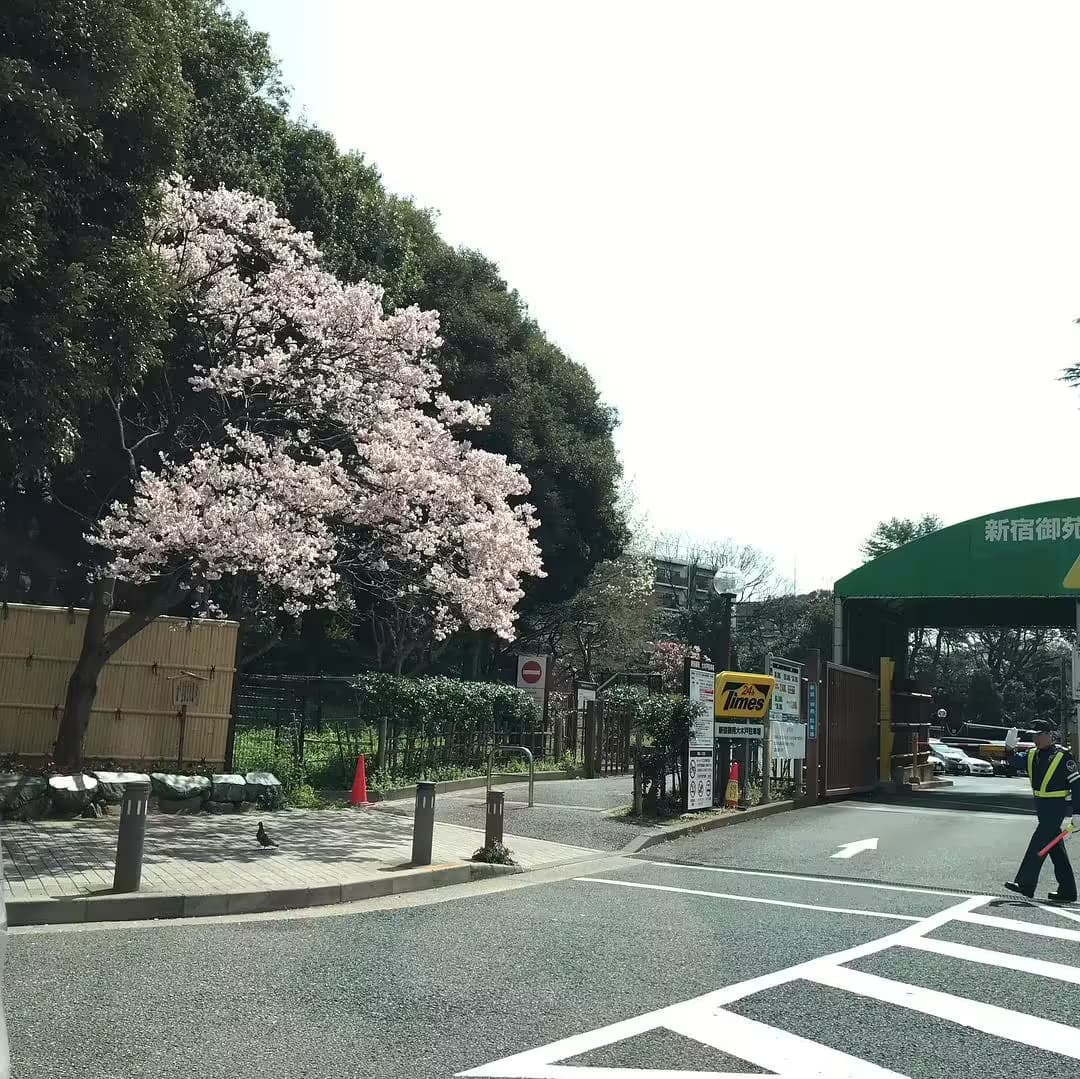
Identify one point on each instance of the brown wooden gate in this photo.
(607, 739)
(850, 730)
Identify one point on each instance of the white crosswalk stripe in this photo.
(707, 1020)
(1024, 963)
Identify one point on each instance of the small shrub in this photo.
(569, 764)
(304, 797)
(494, 854)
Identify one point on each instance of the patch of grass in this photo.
(305, 797)
(330, 761)
(393, 780)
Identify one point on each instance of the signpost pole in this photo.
(639, 775)
(744, 779)
(813, 706)
(724, 745)
(766, 744)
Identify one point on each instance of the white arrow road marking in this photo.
(849, 850)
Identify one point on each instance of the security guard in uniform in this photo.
(1054, 779)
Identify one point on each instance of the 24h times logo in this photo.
(744, 697)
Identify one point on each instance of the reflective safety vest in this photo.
(1042, 792)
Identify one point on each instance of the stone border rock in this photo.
(141, 906)
(33, 797)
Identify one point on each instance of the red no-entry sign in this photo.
(531, 672)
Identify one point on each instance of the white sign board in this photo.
(585, 694)
(699, 765)
(785, 700)
(788, 741)
(532, 676)
(701, 731)
(699, 779)
(726, 728)
(702, 688)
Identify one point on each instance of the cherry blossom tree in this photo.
(309, 451)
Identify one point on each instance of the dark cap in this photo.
(1042, 726)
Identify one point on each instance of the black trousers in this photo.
(1050, 812)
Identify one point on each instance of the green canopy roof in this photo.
(1013, 567)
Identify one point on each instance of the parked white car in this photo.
(957, 762)
(976, 766)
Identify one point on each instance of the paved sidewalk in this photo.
(581, 812)
(323, 856)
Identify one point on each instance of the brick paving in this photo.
(210, 854)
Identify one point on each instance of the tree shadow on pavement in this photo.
(315, 837)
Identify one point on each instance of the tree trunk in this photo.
(98, 647)
(82, 685)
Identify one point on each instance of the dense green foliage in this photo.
(92, 107)
(786, 626)
(897, 531)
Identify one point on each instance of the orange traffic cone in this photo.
(731, 795)
(359, 787)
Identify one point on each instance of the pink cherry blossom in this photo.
(338, 460)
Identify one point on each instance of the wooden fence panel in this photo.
(173, 678)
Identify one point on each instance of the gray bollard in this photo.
(493, 822)
(423, 824)
(129, 841)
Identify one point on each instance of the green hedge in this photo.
(434, 728)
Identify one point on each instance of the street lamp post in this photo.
(725, 583)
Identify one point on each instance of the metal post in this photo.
(744, 779)
(513, 749)
(814, 717)
(639, 775)
(423, 824)
(766, 765)
(129, 840)
(725, 629)
(590, 740)
(493, 821)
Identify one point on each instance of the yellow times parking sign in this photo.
(744, 696)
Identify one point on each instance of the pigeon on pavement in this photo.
(263, 838)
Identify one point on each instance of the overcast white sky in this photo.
(822, 257)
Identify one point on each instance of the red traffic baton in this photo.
(1053, 843)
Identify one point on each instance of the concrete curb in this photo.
(449, 785)
(678, 831)
(141, 906)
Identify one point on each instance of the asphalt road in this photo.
(934, 840)
(746, 950)
(573, 811)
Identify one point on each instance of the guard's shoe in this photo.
(1057, 897)
(1014, 887)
